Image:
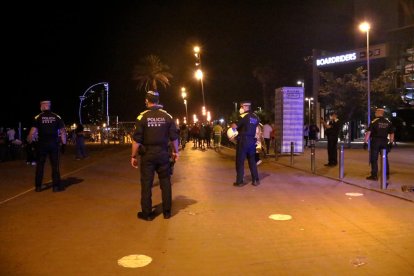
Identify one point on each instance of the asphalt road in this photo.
(216, 229)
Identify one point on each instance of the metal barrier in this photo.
(383, 175)
(312, 147)
(292, 148)
(341, 162)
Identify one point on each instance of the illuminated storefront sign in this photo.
(376, 51)
(336, 59)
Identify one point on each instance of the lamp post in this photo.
(184, 95)
(309, 100)
(199, 72)
(365, 27)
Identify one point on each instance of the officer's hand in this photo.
(365, 146)
(175, 156)
(389, 147)
(134, 162)
(63, 148)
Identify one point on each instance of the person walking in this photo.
(155, 130)
(313, 133)
(50, 130)
(306, 134)
(267, 132)
(246, 144)
(332, 128)
(80, 142)
(218, 131)
(378, 132)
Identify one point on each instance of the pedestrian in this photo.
(332, 128)
(155, 129)
(218, 131)
(246, 144)
(313, 133)
(306, 134)
(267, 132)
(80, 142)
(31, 149)
(50, 130)
(380, 133)
(183, 135)
(259, 143)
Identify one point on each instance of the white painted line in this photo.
(49, 180)
(134, 261)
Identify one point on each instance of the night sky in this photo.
(59, 50)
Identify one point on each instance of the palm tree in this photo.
(267, 78)
(150, 72)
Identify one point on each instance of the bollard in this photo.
(291, 152)
(341, 162)
(312, 145)
(383, 176)
(276, 151)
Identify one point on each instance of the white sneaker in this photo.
(259, 162)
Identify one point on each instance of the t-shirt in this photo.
(267, 130)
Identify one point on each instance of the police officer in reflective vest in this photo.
(155, 131)
(246, 144)
(50, 130)
(378, 132)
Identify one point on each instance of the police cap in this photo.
(152, 96)
(243, 103)
(380, 109)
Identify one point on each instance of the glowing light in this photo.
(208, 116)
(196, 49)
(364, 27)
(199, 74)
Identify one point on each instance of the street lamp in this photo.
(199, 72)
(184, 95)
(365, 27)
(309, 100)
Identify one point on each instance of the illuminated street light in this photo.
(184, 96)
(208, 116)
(195, 120)
(199, 72)
(183, 93)
(365, 27)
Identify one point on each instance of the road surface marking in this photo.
(280, 217)
(134, 261)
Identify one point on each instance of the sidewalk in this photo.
(356, 167)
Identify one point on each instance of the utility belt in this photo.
(151, 148)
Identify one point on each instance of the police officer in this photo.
(155, 130)
(50, 130)
(378, 132)
(332, 128)
(246, 144)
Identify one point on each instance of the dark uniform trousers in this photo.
(377, 144)
(332, 149)
(246, 147)
(51, 150)
(155, 159)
